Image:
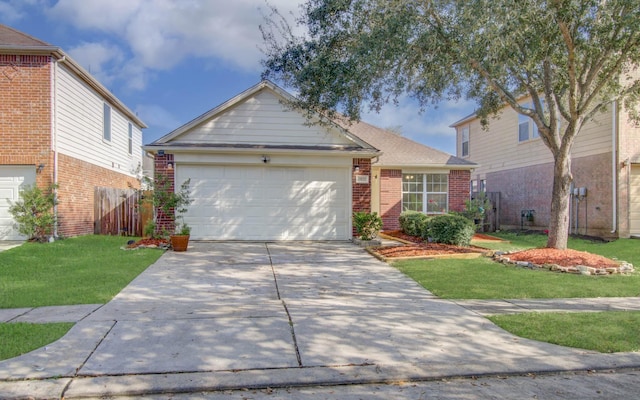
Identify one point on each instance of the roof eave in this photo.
(154, 148)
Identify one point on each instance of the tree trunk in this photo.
(559, 222)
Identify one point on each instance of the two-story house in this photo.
(514, 162)
(59, 125)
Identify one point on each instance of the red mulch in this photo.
(425, 249)
(422, 248)
(148, 242)
(565, 258)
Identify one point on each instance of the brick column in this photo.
(458, 189)
(390, 198)
(163, 172)
(361, 192)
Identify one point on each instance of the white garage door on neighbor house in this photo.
(12, 178)
(268, 202)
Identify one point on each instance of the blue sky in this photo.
(172, 60)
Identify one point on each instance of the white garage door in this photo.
(634, 214)
(12, 178)
(268, 202)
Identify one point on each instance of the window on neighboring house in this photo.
(527, 129)
(473, 186)
(465, 141)
(130, 138)
(427, 193)
(106, 123)
(483, 185)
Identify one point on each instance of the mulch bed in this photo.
(420, 248)
(150, 243)
(540, 256)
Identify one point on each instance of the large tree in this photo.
(573, 58)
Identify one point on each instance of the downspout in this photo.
(614, 167)
(54, 141)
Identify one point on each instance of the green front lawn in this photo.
(606, 332)
(20, 338)
(482, 278)
(81, 270)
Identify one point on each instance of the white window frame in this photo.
(130, 142)
(430, 199)
(106, 123)
(465, 141)
(527, 129)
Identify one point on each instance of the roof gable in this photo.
(258, 117)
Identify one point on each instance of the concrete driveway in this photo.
(240, 315)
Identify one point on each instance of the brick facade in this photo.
(25, 139)
(77, 182)
(161, 165)
(458, 189)
(390, 198)
(530, 189)
(391, 194)
(25, 113)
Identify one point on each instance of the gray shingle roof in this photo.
(14, 38)
(399, 151)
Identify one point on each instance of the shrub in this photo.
(367, 225)
(412, 222)
(450, 229)
(476, 208)
(33, 213)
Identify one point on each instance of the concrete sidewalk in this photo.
(257, 315)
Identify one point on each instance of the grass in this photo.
(484, 279)
(20, 337)
(606, 332)
(81, 270)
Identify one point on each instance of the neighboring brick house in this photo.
(58, 124)
(260, 171)
(514, 162)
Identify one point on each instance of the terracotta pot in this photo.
(179, 242)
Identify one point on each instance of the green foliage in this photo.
(450, 229)
(572, 58)
(173, 203)
(33, 213)
(149, 229)
(413, 222)
(367, 224)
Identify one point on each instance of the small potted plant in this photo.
(173, 204)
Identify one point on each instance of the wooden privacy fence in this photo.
(119, 212)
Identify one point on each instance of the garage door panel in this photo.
(12, 179)
(267, 203)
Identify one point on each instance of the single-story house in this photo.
(260, 170)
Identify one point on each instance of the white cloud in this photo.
(163, 33)
(10, 11)
(102, 60)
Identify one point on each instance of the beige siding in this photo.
(79, 127)
(261, 119)
(634, 203)
(498, 147)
